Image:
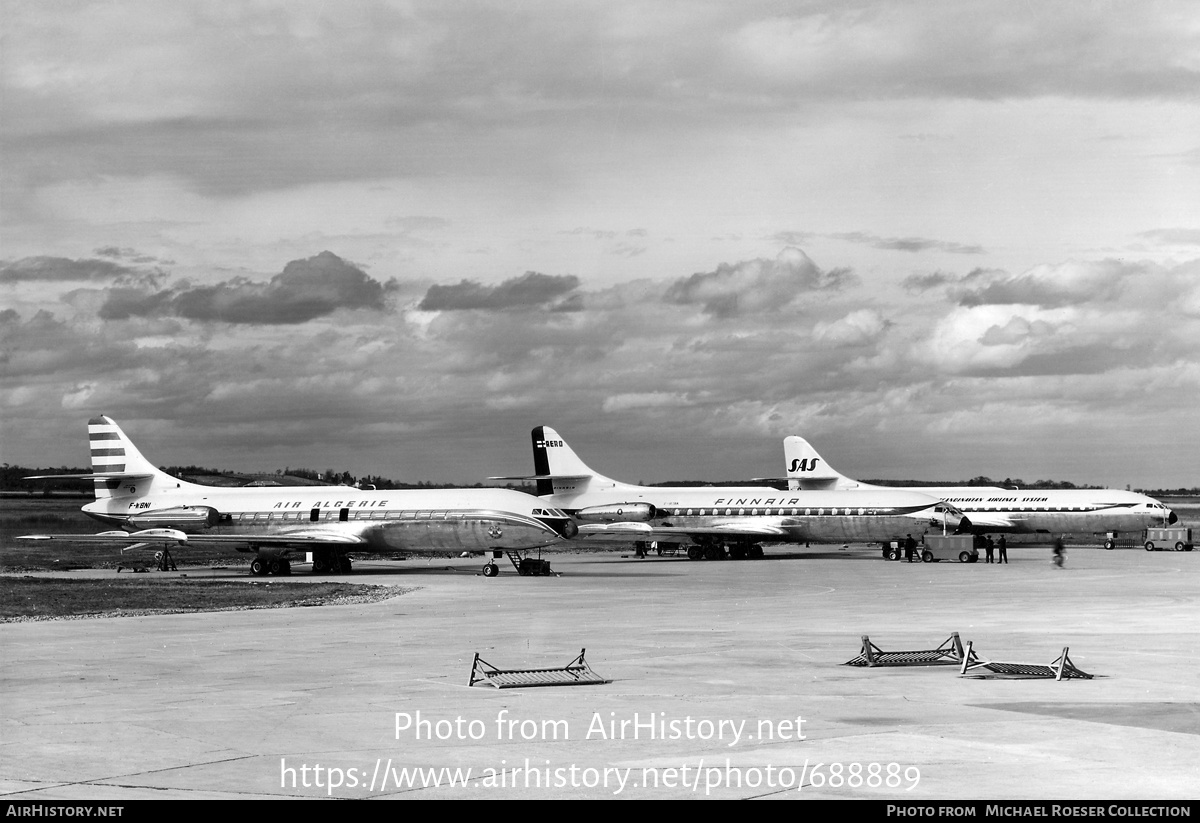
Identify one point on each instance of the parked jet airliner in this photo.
(994, 509)
(150, 508)
(721, 518)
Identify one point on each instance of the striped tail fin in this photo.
(114, 457)
(118, 468)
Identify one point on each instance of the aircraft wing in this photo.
(993, 520)
(109, 476)
(543, 477)
(647, 532)
(305, 537)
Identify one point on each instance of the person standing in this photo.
(1003, 547)
(910, 546)
(989, 546)
(1059, 553)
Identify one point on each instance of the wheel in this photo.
(1149, 545)
(713, 553)
(694, 553)
(1108, 544)
(275, 567)
(1179, 546)
(926, 556)
(344, 563)
(974, 559)
(491, 570)
(257, 566)
(756, 552)
(285, 567)
(964, 557)
(737, 553)
(892, 554)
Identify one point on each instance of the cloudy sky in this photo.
(938, 239)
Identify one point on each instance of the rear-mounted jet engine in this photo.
(618, 513)
(184, 518)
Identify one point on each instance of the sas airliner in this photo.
(724, 520)
(995, 509)
(149, 508)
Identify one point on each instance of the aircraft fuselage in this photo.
(441, 520)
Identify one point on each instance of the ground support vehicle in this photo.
(945, 547)
(1168, 537)
(931, 549)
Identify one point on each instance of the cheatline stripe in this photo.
(108, 452)
(104, 436)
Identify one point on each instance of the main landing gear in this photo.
(324, 562)
(328, 562)
(261, 566)
(717, 550)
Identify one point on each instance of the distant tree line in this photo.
(984, 480)
(12, 479)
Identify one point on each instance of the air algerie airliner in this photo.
(724, 521)
(995, 509)
(149, 508)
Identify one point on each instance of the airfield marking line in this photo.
(666, 656)
(40, 787)
(111, 781)
(173, 768)
(795, 651)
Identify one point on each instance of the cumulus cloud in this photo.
(918, 283)
(755, 285)
(1066, 284)
(132, 255)
(61, 269)
(1015, 331)
(982, 338)
(304, 290)
(855, 329)
(530, 289)
(45, 348)
(911, 244)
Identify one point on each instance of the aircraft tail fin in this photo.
(116, 460)
(808, 470)
(558, 470)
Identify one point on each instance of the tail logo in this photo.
(804, 464)
(548, 444)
